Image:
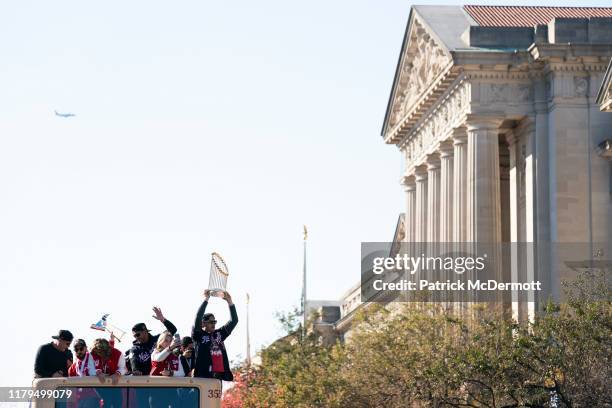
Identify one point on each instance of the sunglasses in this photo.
(211, 321)
(137, 334)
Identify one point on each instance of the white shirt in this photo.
(87, 362)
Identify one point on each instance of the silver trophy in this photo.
(217, 282)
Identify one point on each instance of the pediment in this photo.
(400, 229)
(422, 62)
(607, 101)
(604, 97)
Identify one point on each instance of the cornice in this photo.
(436, 126)
(570, 51)
(446, 109)
(423, 104)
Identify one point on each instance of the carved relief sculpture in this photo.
(422, 62)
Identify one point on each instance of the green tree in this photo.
(295, 371)
(420, 356)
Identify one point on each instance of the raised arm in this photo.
(160, 355)
(196, 331)
(160, 316)
(169, 326)
(228, 327)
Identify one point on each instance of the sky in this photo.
(200, 126)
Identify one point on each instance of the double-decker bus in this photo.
(128, 392)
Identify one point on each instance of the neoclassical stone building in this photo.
(494, 112)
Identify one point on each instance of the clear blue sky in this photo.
(200, 126)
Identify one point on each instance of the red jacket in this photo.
(115, 364)
(165, 360)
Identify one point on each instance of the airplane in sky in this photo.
(64, 115)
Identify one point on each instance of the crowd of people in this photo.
(202, 354)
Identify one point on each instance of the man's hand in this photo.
(158, 314)
(228, 298)
(166, 373)
(206, 294)
(101, 376)
(115, 378)
(57, 374)
(136, 372)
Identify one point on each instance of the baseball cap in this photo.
(140, 327)
(63, 335)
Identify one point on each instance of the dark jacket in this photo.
(187, 363)
(49, 360)
(140, 354)
(202, 342)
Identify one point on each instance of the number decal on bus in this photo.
(214, 393)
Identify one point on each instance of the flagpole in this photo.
(248, 336)
(304, 305)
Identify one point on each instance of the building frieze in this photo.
(566, 85)
(501, 92)
(483, 92)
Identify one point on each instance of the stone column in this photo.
(504, 178)
(459, 185)
(410, 217)
(514, 221)
(483, 196)
(460, 199)
(446, 192)
(446, 214)
(531, 211)
(514, 186)
(420, 230)
(410, 221)
(433, 197)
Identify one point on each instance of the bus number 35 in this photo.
(214, 393)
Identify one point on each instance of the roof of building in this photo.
(529, 16)
(447, 23)
(456, 34)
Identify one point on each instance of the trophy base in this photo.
(220, 293)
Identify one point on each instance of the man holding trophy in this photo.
(208, 342)
(210, 355)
